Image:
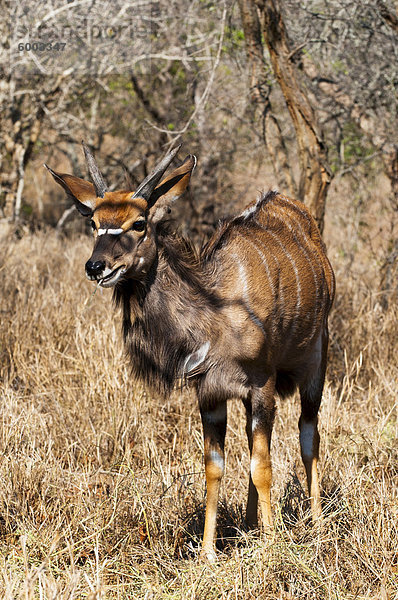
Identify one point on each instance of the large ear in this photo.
(80, 191)
(170, 189)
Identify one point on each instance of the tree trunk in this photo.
(259, 94)
(279, 153)
(390, 17)
(255, 52)
(315, 174)
(21, 122)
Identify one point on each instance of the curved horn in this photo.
(146, 188)
(95, 173)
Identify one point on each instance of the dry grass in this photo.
(102, 485)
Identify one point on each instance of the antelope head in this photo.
(124, 222)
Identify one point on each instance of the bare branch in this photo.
(390, 17)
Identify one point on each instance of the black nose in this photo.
(93, 269)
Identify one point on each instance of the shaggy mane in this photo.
(150, 321)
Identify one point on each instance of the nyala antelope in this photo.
(246, 317)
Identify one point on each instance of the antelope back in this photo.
(276, 275)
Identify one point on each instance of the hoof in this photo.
(208, 555)
(268, 535)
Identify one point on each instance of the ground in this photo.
(102, 483)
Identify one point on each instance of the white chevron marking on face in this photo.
(110, 231)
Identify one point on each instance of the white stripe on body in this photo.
(294, 205)
(253, 317)
(296, 273)
(265, 263)
(293, 230)
(279, 292)
(288, 201)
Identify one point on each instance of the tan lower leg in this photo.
(214, 466)
(214, 428)
(309, 442)
(261, 473)
(313, 487)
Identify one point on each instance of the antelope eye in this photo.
(93, 227)
(139, 225)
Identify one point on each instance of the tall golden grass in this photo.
(102, 484)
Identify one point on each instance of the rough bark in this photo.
(279, 153)
(315, 174)
(255, 52)
(260, 96)
(389, 16)
(20, 129)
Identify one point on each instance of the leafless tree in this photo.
(349, 57)
(315, 173)
(146, 102)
